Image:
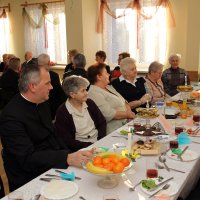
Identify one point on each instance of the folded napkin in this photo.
(183, 138)
(69, 177)
(189, 122)
(167, 126)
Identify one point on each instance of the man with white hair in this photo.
(29, 60)
(130, 87)
(174, 75)
(56, 95)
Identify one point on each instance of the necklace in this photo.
(158, 87)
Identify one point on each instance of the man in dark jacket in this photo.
(30, 145)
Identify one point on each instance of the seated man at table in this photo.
(131, 88)
(30, 144)
(174, 76)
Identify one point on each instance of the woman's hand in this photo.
(145, 98)
(130, 114)
(78, 158)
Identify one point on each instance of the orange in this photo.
(113, 159)
(99, 165)
(97, 160)
(105, 161)
(109, 166)
(125, 161)
(118, 168)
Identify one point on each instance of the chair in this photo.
(2, 192)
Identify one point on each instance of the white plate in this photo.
(59, 189)
(172, 190)
(187, 156)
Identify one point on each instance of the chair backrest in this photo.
(2, 192)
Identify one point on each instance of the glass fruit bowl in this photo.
(184, 88)
(109, 166)
(147, 113)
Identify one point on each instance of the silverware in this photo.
(195, 142)
(162, 167)
(126, 180)
(48, 179)
(59, 171)
(120, 136)
(165, 187)
(36, 197)
(161, 183)
(81, 197)
(133, 188)
(162, 159)
(180, 155)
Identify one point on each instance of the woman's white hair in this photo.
(178, 56)
(125, 63)
(154, 67)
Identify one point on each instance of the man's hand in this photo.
(78, 158)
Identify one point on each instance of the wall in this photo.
(81, 22)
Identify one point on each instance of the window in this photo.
(144, 39)
(4, 34)
(49, 35)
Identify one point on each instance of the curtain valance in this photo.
(135, 5)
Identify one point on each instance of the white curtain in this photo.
(144, 39)
(4, 35)
(50, 37)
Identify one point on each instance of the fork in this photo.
(133, 188)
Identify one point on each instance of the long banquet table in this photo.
(89, 189)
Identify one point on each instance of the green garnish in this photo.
(124, 132)
(148, 184)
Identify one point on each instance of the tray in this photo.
(155, 150)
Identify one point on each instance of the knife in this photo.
(61, 172)
(126, 180)
(48, 179)
(161, 183)
(179, 156)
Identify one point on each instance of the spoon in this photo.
(163, 160)
(165, 187)
(36, 197)
(160, 166)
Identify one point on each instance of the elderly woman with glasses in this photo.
(113, 106)
(154, 83)
(79, 122)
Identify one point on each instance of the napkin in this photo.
(69, 177)
(189, 122)
(167, 126)
(183, 138)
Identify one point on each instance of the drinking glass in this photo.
(173, 144)
(151, 168)
(196, 119)
(178, 128)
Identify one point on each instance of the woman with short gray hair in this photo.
(79, 122)
(79, 62)
(129, 86)
(154, 83)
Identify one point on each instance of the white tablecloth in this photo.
(89, 189)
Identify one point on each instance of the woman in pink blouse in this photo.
(154, 83)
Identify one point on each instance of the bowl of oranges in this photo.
(108, 165)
